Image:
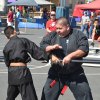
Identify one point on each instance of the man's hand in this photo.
(56, 46)
(66, 60)
(54, 59)
(53, 47)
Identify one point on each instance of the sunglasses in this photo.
(53, 15)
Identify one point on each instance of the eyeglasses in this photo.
(52, 15)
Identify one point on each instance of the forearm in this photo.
(49, 48)
(52, 47)
(73, 55)
(77, 54)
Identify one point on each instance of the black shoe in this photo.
(97, 51)
(18, 33)
(92, 44)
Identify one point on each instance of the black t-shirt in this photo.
(18, 50)
(63, 42)
(76, 40)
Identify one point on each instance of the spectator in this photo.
(10, 17)
(98, 16)
(51, 23)
(91, 24)
(85, 23)
(45, 16)
(17, 20)
(25, 13)
(94, 35)
(63, 46)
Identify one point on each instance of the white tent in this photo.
(23, 3)
(43, 2)
(30, 3)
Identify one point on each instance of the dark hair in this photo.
(10, 9)
(63, 21)
(96, 19)
(8, 31)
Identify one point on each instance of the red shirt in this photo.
(10, 16)
(51, 25)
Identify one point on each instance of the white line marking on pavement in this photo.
(22, 32)
(91, 65)
(1, 46)
(92, 74)
(48, 64)
(94, 48)
(93, 56)
(37, 67)
(40, 37)
(40, 66)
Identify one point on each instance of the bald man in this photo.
(62, 47)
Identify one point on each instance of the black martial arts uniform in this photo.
(20, 78)
(71, 74)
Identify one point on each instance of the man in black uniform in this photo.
(65, 45)
(16, 58)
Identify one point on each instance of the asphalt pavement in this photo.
(39, 69)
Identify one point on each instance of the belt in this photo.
(17, 64)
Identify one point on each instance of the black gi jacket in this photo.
(75, 40)
(18, 50)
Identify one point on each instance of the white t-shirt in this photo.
(85, 19)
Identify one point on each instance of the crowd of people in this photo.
(13, 19)
(88, 23)
(91, 24)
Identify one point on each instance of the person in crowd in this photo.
(50, 25)
(10, 16)
(85, 23)
(21, 9)
(45, 16)
(25, 13)
(63, 46)
(17, 20)
(91, 24)
(98, 16)
(96, 33)
(16, 56)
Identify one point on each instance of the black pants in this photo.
(26, 90)
(76, 82)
